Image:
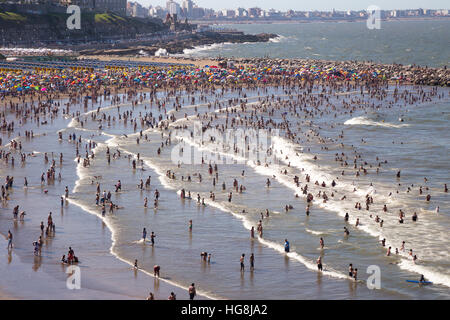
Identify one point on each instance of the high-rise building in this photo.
(187, 6)
(198, 12)
(172, 7)
(254, 12)
(135, 9)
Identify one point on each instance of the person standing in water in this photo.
(192, 291)
(286, 245)
(241, 260)
(319, 263)
(144, 234)
(355, 274)
(156, 269)
(252, 262)
(152, 238)
(9, 238)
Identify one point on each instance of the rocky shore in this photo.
(177, 46)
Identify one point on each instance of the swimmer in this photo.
(346, 232)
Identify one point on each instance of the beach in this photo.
(339, 133)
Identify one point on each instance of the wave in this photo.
(207, 47)
(160, 52)
(107, 222)
(278, 247)
(317, 233)
(368, 122)
(285, 148)
(430, 275)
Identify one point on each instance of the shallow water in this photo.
(222, 228)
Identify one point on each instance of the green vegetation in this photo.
(108, 18)
(11, 16)
(94, 26)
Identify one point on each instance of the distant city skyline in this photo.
(320, 5)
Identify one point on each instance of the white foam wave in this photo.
(365, 121)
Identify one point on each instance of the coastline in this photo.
(293, 21)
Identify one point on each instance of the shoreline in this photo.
(293, 21)
(76, 217)
(101, 266)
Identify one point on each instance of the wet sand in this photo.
(169, 59)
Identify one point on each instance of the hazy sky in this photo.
(312, 5)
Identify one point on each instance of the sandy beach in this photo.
(170, 59)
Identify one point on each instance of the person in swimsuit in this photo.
(241, 260)
(319, 264)
(156, 269)
(252, 262)
(355, 274)
(346, 232)
(286, 245)
(172, 296)
(10, 238)
(152, 238)
(192, 291)
(144, 234)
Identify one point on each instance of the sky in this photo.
(308, 5)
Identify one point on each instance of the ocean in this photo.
(422, 43)
(412, 136)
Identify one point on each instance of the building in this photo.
(187, 8)
(240, 12)
(173, 7)
(254, 12)
(198, 12)
(135, 9)
(157, 12)
(228, 13)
